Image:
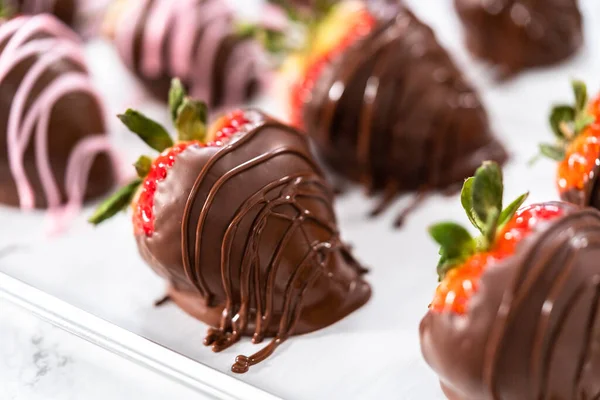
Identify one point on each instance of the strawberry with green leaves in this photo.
(237, 218)
(190, 119)
(577, 146)
(332, 28)
(464, 258)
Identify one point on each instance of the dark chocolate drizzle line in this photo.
(415, 203)
(533, 329)
(287, 190)
(387, 198)
(541, 264)
(341, 79)
(259, 222)
(249, 257)
(403, 136)
(208, 202)
(191, 272)
(195, 275)
(289, 316)
(369, 120)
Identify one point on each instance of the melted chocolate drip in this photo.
(162, 301)
(395, 113)
(247, 237)
(518, 34)
(533, 328)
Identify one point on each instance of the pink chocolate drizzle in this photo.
(192, 31)
(22, 38)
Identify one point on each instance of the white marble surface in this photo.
(41, 362)
(373, 354)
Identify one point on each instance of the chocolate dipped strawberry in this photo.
(238, 218)
(385, 104)
(515, 315)
(55, 151)
(514, 35)
(577, 148)
(339, 29)
(195, 40)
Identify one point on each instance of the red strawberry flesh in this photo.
(460, 283)
(359, 27)
(581, 157)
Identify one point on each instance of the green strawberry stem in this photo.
(151, 132)
(306, 20)
(567, 122)
(481, 198)
(315, 11)
(142, 166)
(190, 118)
(274, 41)
(176, 96)
(116, 203)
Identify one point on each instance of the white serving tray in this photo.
(372, 354)
(109, 349)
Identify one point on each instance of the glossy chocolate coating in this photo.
(247, 238)
(74, 117)
(532, 330)
(518, 34)
(394, 112)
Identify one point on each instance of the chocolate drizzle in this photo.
(395, 113)
(533, 329)
(259, 249)
(54, 151)
(518, 34)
